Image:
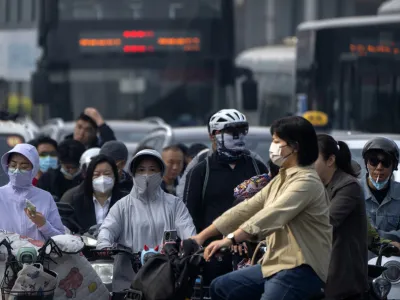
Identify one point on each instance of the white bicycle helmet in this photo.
(88, 155)
(226, 118)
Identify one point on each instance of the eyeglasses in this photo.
(374, 161)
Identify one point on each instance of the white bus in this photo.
(274, 70)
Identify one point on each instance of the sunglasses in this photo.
(236, 130)
(374, 161)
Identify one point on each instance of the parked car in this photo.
(258, 140)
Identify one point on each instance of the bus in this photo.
(273, 68)
(136, 58)
(349, 68)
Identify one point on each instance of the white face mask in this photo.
(275, 154)
(103, 184)
(147, 182)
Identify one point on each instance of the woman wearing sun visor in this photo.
(382, 192)
(142, 217)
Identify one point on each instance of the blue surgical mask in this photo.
(378, 185)
(48, 162)
(70, 176)
(20, 178)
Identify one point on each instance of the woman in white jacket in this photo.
(142, 217)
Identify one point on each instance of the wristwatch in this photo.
(231, 236)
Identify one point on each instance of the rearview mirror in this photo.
(249, 94)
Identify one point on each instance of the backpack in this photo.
(207, 158)
(167, 277)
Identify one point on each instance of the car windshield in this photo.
(7, 142)
(253, 142)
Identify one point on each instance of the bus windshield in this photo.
(357, 78)
(120, 93)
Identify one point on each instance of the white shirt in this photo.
(101, 211)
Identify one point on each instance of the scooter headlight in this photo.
(393, 271)
(89, 241)
(381, 287)
(105, 271)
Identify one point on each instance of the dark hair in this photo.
(174, 148)
(88, 181)
(183, 148)
(43, 140)
(194, 149)
(328, 146)
(273, 168)
(300, 135)
(70, 151)
(88, 119)
(141, 148)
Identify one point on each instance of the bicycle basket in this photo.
(8, 291)
(8, 294)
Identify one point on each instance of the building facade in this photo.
(18, 52)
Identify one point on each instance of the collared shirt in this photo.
(292, 214)
(384, 216)
(101, 211)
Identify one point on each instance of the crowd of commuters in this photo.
(309, 205)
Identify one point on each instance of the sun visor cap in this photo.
(142, 154)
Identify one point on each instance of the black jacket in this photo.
(106, 134)
(219, 191)
(85, 215)
(56, 184)
(125, 183)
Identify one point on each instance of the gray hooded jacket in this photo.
(141, 219)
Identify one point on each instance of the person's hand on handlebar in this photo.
(198, 240)
(240, 249)
(215, 246)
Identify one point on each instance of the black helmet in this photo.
(383, 144)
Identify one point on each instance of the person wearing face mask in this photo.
(86, 158)
(96, 195)
(47, 149)
(291, 214)
(119, 152)
(348, 272)
(21, 164)
(381, 157)
(210, 184)
(68, 174)
(142, 217)
(203, 154)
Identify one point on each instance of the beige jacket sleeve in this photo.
(280, 211)
(236, 216)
